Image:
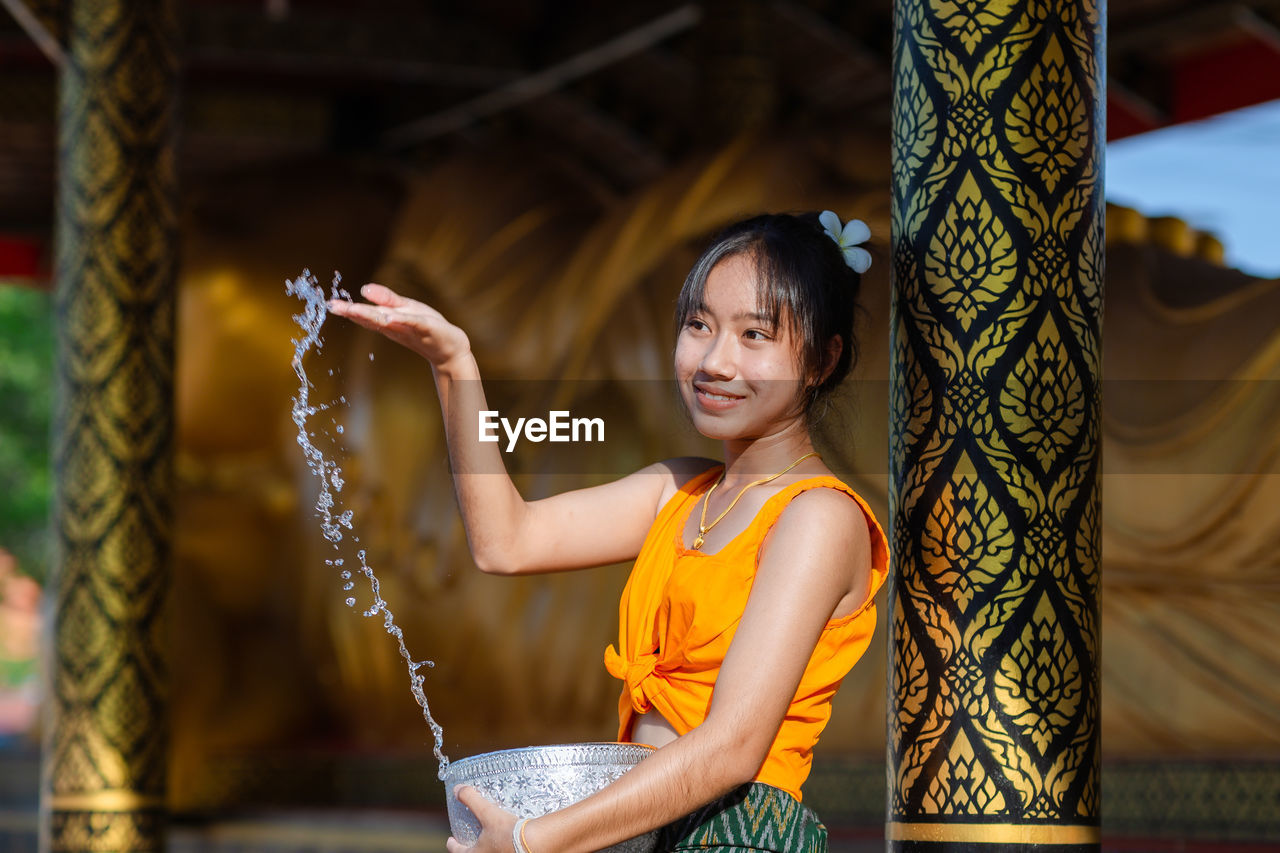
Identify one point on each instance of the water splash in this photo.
(333, 518)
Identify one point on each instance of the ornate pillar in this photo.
(994, 425)
(103, 784)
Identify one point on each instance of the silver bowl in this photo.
(536, 780)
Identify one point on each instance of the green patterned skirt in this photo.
(753, 817)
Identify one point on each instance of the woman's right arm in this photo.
(507, 534)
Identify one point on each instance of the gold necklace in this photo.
(703, 527)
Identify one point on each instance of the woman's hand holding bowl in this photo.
(495, 824)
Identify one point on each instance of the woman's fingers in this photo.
(383, 295)
(471, 798)
(387, 308)
(369, 316)
(412, 324)
(495, 822)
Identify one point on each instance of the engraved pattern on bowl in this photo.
(536, 780)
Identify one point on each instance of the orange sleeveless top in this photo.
(680, 610)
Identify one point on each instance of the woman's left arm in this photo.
(817, 555)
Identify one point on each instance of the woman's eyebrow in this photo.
(753, 316)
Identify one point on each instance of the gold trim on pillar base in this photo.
(994, 833)
(116, 800)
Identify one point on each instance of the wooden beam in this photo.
(629, 159)
(45, 22)
(543, 82)
(1129, 113)
(853, 75)
(1185, 31)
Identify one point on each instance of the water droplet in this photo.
(349, 585)
(346, 575)
(339, 429)
(351, 602)
(371, 356)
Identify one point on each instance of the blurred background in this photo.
(544, 173)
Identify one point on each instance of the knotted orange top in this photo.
(680, 610)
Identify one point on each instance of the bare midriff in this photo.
(653, 729)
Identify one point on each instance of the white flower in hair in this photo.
(855, 231)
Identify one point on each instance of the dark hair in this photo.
(802, 280)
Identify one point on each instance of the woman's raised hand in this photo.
(408, 322)
(495, 825)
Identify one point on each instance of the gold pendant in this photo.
(697, 543)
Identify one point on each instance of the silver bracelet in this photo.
(517, 836)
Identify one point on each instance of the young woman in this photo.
(751, 594)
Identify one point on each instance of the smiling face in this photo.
(739, 374)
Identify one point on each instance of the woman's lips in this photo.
(714, 400)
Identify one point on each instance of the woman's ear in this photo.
(831, 357)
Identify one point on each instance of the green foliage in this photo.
(26, 406)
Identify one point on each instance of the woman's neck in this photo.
(749, 460)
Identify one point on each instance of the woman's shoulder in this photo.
(822, 500)
(821, 506)
(826, 508)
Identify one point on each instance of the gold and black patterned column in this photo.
(994, 430)
(103, 786)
